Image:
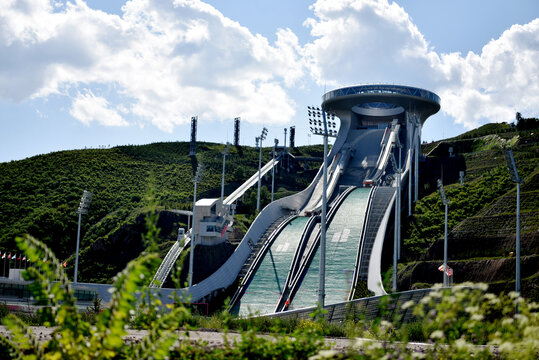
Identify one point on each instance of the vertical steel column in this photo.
(399, 208)
(77, 251)
(411, 136)
(517, 284)
(223, 178)
(273, 171)
(262, 138)
(82, 209)
(446, 282)
(416, 153)
(395, 245)
(513, 172)
(259, 172)
(196, 179)
(193, 237)
(322, 275)
(446, 203)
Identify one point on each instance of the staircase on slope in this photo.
(255, 248)
(381, 199)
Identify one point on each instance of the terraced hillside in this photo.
(482, 215)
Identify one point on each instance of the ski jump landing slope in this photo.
(358, 154)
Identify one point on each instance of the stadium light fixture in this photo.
(446, 203)
(82, 209)
(261, 138)
(198, 176)
(513, 173)
(322, 122)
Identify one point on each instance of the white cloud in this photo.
(166, 60)
(363, 41)
(495, 84)
(88, 108)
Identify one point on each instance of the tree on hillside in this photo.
(526, 123)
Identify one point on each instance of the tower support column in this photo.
(416, 161)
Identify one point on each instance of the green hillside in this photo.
(39, 195)
(482, 213)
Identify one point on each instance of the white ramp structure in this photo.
(374, 119)
(236, 194)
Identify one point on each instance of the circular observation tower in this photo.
(369, 105)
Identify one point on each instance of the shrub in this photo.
(74, 338)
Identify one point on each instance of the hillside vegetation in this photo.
(482, 213)
(40, 195)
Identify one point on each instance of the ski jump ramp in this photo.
(374, 121)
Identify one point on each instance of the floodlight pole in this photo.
(192, 245)
(322, 274)
(316, 112)
(517, 270)
(446, 203)
(196, 179)
(261, 138)
(273, 169)
(410, 155)
(259, 174)
(446, 280)
(225, 153)
(395, 241)
(416, 156)
(399, 198)
(82, 209)
(512, 167)
(77, 250)
(397, 222)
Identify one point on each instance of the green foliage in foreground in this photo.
(454, 321)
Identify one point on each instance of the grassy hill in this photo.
(40, 195)
(482, 214)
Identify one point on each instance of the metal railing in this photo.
(303, 262)
(274, 230)
(385, 306)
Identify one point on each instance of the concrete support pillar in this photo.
(410, 126)
(416, 153)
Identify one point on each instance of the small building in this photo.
(212, 222)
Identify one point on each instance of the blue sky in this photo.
(100, 73)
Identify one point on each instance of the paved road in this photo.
(211, 338)
(214, 339)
